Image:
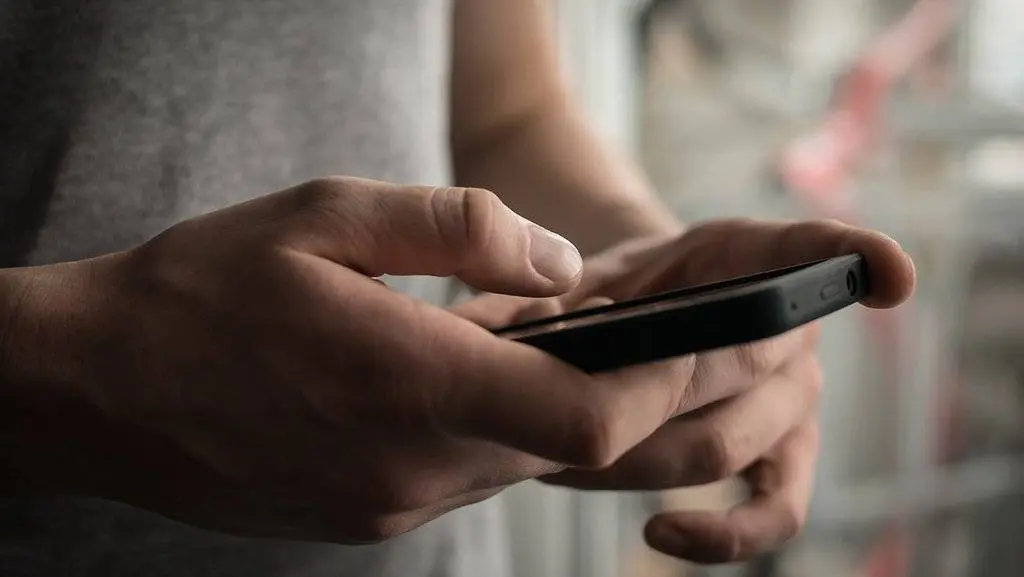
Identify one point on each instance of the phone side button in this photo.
(829, 291)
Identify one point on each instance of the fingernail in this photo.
(552, 256)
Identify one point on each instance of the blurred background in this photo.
(901, 115)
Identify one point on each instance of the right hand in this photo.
(244, 372)
(767, 432)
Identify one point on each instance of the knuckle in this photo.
(593, 432)
(791, 522)
(698, 386)
(318, 194)
(323, 205)
(754, 359)
(464, 217)
(713, 458)
(683, 385)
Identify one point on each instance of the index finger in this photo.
(521, 397)
(742, 246)
(428, 369)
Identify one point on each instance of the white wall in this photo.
(997, 35)
(597, 46)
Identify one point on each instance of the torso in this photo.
(119, 118)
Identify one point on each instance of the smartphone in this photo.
(699, 318)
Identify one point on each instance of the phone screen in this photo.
(644, 305)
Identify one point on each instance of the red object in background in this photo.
(818, 165)
(891, 556)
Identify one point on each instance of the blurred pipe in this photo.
(818, 165)
(598, 519)
(541, 529)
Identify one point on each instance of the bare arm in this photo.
(517, 130)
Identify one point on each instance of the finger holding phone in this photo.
(748, 409)
(244, 372)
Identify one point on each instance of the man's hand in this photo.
(748, 410)
(244, 372)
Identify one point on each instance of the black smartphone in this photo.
(698, 318)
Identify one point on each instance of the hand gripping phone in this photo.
(699, 318)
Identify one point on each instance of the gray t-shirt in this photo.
(119, 118)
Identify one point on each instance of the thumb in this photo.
(378, 228)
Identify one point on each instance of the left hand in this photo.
(768, 434)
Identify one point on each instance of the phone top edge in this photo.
(772, 281)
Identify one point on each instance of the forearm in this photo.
(551, 167)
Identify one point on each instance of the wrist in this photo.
(42, 309)
(15, 289)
